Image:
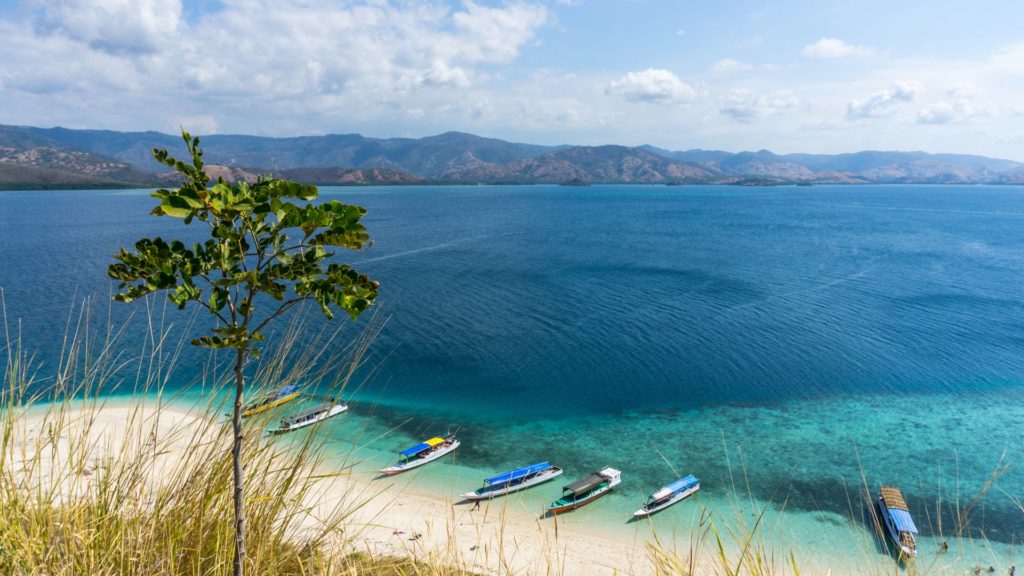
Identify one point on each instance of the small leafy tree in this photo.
(266, 253)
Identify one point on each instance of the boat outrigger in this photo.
(669, 495)
(586, 490)
(309, 417)
(422, 453)
(271, 400)
(514, 480)
(896, 517)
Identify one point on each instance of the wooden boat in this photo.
(586, 490)
(309, 417)
(422, 453)
(896, 517)
(271, 400)
(669, 495)
(514, 480)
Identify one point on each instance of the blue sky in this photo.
(939, 76)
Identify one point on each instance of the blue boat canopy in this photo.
(284, 390)
(678, 486)
(416, 449)
(682, 483)
(517, 473)
(902, 520)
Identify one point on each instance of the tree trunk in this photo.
(236, 458)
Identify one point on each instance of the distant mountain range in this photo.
(62, 158)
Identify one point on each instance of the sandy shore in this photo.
(393, 517)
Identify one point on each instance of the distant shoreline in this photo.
(97, 188)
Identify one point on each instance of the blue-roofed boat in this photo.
(271, 400)
(896, 517)
(514, 480)
(422, 453)
(669, 495)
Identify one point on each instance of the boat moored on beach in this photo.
(896, 518)
(514, 480)
(669, 495)
(422, 453)
(586, 490)
(271, 400)
(309, 417)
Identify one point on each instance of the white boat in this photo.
(514, 480)
(897, 520)
(669, 495)
(309, 417)
(422, 453)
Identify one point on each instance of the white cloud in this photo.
(441, 73)
(744, 105)
(883, 102)
(652, 85)
(496, 34)
(947, 111)
(961, 104)
(105, 61)
(729, 65)
(835, 48)
(115, 26)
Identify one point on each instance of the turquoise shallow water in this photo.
(789, 342)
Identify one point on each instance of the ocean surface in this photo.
(794, 347)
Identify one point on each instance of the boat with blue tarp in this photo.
(515, 480)
(422, 453)
(669, 495)
(896, 517)
(271, 400)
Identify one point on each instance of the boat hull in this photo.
(272, 404)
(334, 411)
(551, 474)
(677, 498)
(399, 468)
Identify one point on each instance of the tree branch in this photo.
(280, 310)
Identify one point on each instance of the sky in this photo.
(797, 76)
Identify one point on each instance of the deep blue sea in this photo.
(806, 339)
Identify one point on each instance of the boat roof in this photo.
(584, 485)
(677, 486)
(892, 498)
(422, 446)
(902, 520)
(312, 411)
(517, 473)
(284, 390)
(897, 508)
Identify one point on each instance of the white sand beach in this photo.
(393, 518)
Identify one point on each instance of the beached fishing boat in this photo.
(896, 517)
(422, 453)
(271, 400)
(514, 480)
(669, 495)
(309, 417)
(586, 490)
